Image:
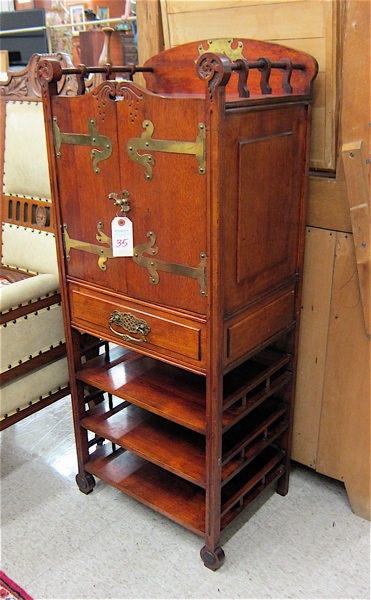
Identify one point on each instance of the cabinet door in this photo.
(162, 165)
(120, 140)
(86, 143)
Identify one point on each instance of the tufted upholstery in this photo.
(33, 362)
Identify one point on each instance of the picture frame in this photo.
(102, 12)
(77, 18)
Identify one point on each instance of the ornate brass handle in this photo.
(131, 324)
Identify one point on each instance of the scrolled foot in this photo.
(213, 559)
(85, 484)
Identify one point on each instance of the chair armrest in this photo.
(28, 290)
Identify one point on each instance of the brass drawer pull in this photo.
(131, 324)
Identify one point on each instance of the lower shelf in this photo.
(177, 499)
(168, 494)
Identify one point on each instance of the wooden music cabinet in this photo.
(189, 408)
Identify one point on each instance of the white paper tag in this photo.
(122, 236)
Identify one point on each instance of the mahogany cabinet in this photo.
(208, 166)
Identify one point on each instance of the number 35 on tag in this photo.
(122, 236)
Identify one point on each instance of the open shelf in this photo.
(254, 424)
(160, 388)
(247, 376)
(250, 401)
(177, 499)
(251, 436)
(158, 440)
(180, 450)
(179, 395)
(166, 493)
(160, 428)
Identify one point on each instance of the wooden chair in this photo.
(34, 369)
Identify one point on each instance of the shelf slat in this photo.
(166, 493)
(250, 374)
(239, 486)
(247, 429)
(252, 495)
(158, 440)
(234, 466)
(235, 413)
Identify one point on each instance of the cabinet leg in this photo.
(283, 484)
(213, 559)
(86, 483)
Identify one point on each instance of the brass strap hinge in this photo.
(101, 251)
(145, 142)
(94, 139)
(153, 265)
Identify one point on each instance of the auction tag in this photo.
(122, 236)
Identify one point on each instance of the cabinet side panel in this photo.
(258, 237)
(263, 211)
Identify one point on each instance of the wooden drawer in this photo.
(254, 327)
(150, 330)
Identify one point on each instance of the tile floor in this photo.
(60, 544)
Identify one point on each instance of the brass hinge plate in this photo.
(94, 139)
(223, 46)
(101, 251)
(146, 142)
(152, 264)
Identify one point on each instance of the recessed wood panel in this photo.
(266, 245)
(261, 253)
(259, 325)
